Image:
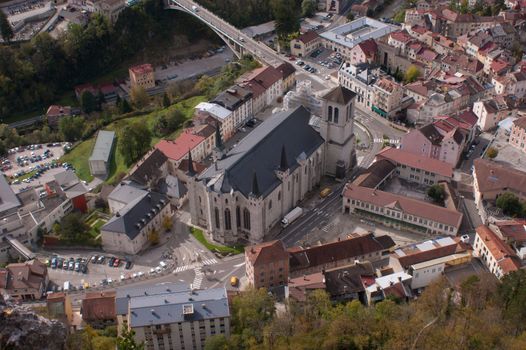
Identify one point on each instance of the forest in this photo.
(36, 73)
(480, 313)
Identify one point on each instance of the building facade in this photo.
(142, 76)
(518, 134)
(267, 264)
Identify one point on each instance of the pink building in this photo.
(364, 52)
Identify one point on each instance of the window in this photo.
(329, 114)
(336, 114)
(270, 205)
(238, 216)
(216, 211)
(279, 195)
(246, 219)
(228, 222)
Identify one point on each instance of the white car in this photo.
(140, 274)
(134, 275)
(158, 269)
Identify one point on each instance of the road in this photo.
(258, 49)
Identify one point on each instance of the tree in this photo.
(492, 152)
(217, 342)
(153, 237)
(127, 342)
(124, 107)
(251, 312)
(286, 17)
(134, 141)
(167, 223)
(166, 100)
(412, 74)
(168, 123)
(100, 101)
(437, 193)
(350, 16)
(72, 227)
(510, 204)
(139, 97)
(308, 8)
(5, 28)
(464, 6)
(512, 297)
(87, 102)
(399, 17)
(71, 128)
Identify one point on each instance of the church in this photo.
(248, 190)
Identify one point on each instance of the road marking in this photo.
(198, 279)
(207, 262)
(239, 265)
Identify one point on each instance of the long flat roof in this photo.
(352, 33)
(103, 145)
(8, 198)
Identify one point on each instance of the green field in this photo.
(80, 154)
(221, 249)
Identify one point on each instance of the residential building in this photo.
(454, 24)
(492, 111)
(99, 161)
(268, 77)
(518, 134)
(221, 115)
(98, 309)
(142, 76)
(66, 183)
(267, 264)
(395, 285)
(513, 233)
(416, 168)
(55, 113)
(387, 97)
(288, 75)
(360, 79)
(299, 288)
(238, 100)
(364, 52)
(59, 307)
(498, 257)
(327, 256)
(427, 261)
(433, 142)
(129, 230)
(24, 281)
(345, 283)
(111, 9)
(491, 179)
(305, 44)
(188, 141)
(281, 169)
(179, 320)
(512, 84)
(344, 38)
(150, 170)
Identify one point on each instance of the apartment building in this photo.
(142, 76)
(491, 112)
(222, 116)
(498, 257)
(360, 79)
(518, 134)
(179, 320)
(24, 281)
(364, 52)
(305, 44)
(387, 97)
(238, 100)
(98, 309)
(513, 84)
(267, 264)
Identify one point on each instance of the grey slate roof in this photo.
(168, 308)
(8, 199)
(66, 178)
(260, 152)
(127, 192)
(149, 168)
(339, 95)
(124, 294)
(103, 145)
(172, 187)
(136, 212)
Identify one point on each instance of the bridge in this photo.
(239, 42)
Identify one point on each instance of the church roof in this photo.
(339, 95)
(259, 153)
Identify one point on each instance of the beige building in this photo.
(267, 264)
(518, 134)
(304, 44)
(142, 76)
(179, 320)
(387, 97)
(24, 281)
(59, 307)
(252, 187)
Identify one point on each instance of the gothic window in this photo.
(216, 211)
(199, 199)
(246, 219)
(228, 222)
(329, 114)
(238, 217)
(348, 113)
(279, 195)
(336, 114)
(270, 205)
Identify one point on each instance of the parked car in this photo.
(111, 261)
(94, 259)
(116, 262)
(101, 259)
(128, 265)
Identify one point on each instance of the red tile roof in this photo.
(409, 256)
(142, 69)
(368, 47)
(407, 205)
(501, 252)
(265, 253)
(399, 156)
(513, 229)
(178, 148)
(493, 176)
(307, 37)
(401, 36)
(99, 306)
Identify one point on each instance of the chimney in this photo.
(399, 278)
(304, 277)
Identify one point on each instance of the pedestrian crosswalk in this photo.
(198, 279)
(205, 262)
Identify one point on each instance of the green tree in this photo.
(512, 297)
(139, 97)
(399, 17)
(5, 28)
(251, 312)
(71, 128)
(412, 74)
(127, 342)
(124, 106)
(492, 152)
(286, 17)
(350, 16)
(88, 102)
(134, 141)
(308, 8)
(166, 101)
(167, 223)
(510, 204)
(464, 6)
(437, 193)
(217, 342)
(72, 227)
(153, 237)
(168, 123)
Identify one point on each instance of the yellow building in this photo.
(142, 76)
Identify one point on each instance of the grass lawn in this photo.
(95, 227)
(79, 155)
(223, 250)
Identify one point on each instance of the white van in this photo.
(66, 286)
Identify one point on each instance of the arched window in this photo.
(329, 114)
(238, 217)
(336, 114)
(246, 219)
(348, 113)
(279, 195)
(216, 211)
(228, 222)
(270, 204)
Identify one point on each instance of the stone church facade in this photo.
(248, 190)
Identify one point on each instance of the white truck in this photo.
(291, 216)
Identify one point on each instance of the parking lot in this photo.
(89, 270)
(321, 61)
(32, 165)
